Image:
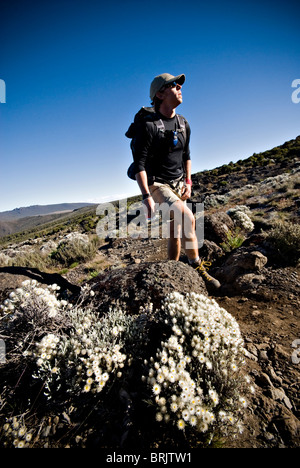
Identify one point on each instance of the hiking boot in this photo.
(212, 283)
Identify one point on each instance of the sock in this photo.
(194, 260)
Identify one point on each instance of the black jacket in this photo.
(154, 151)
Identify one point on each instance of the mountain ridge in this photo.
(39, 210)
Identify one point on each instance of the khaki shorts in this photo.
(163, 193)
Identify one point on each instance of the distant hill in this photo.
(40, 210)
(27, 218)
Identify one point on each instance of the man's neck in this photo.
(166, 111)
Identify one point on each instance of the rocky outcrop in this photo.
(141, 284)
(241, 271)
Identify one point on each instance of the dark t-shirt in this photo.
(155, 153)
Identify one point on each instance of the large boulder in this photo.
(242, 271)
(217, 226)
(144, 283)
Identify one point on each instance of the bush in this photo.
(33, 259)
(75, 362)
(285, 237)
(241, 217)
(234, 240)
(76, 250)
(196, 375)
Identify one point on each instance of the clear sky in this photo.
(77, 71)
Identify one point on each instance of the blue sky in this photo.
(77, 71)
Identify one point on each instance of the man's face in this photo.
(171, 95)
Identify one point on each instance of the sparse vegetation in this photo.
(75, 251)
(286, 238)
(234, 240)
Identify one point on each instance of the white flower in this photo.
(181, 424)
(156, 389)
(174, 407)
(160, 378)
(243, 402)
(193, 420)
(203, 427)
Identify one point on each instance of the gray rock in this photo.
(144, 283)
(217, 226)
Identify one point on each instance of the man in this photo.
(163, 168)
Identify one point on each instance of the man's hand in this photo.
(187, 192)
(149, 207)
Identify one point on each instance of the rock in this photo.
(254, 261)
(289, 427)
(140, 284)
(263, 356)
(246, 260)
(263, 380)
(210, 251)
(278, 394)
(75, 237)
(251, 351)
(247, 282)
(275, 378)
(242, 271)
(48, 247)
(217, 226)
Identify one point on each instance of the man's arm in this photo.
(187, 165)
(142, 180)
(188, 182)
(188, 169)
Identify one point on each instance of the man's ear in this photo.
(160, 95)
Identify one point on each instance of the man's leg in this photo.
(174, 242)
(182, 227)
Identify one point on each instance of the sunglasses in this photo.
(173, 84)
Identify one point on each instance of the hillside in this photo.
(252, 244)
(40, 210)
(27, 218)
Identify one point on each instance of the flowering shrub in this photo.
(75, 352)
(196, 376)
(16, 433)
(241, 217)
(33, 296)
(88, 356)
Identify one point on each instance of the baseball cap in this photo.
(162, 80)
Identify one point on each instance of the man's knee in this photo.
(188, 224)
